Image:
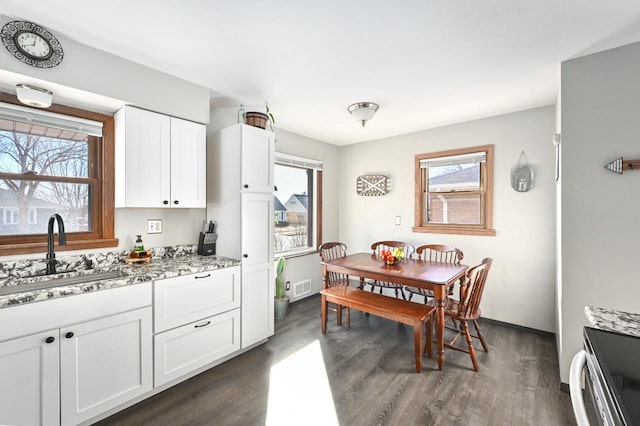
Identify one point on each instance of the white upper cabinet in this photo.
(257, 160)
(188, 164)
(160, 161)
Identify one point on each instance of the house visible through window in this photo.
(454, 191)
(297, 202)
(10, 216)
(54, 163)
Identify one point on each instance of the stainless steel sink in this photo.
(61, 282)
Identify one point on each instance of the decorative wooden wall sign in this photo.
(371, 185)
(619, 165)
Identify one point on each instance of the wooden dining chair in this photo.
(434, 253)
(467, 308)
(377, 248)
(329, 251)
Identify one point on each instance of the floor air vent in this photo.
(301, 288)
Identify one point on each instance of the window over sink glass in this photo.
(297, 204)
(54, 162)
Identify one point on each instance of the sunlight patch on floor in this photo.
(299, 391)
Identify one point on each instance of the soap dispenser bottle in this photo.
(139, 246)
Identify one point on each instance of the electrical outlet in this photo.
(398, 220)
(288, 286)
(154, 226)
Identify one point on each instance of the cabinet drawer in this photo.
(184, 349)
(188, 298)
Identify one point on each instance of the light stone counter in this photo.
(613, 320)
(166, 262)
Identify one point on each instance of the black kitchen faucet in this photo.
(62, 240)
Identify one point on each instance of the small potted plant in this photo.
(260, 119)
(281, 299)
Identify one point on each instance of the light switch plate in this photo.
(398, 220)
(154, 226)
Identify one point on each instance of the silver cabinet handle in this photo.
(203, 325)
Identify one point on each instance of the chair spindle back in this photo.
(472, 288)
(330, 251)
(439, 253)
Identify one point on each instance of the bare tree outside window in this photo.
(44, 171)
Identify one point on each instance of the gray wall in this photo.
(86, 70)
(599, 209)
(94, 71)
(521, 284)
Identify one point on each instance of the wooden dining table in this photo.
(424, 274)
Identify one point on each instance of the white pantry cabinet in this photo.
(70, 359)
(160, 161)
(258, 276)
(240, 200)
(196, 321)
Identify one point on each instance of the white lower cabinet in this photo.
(184, 349)
(104, 363)
(100, 351)
(95, 354)
(196, 321)
(186, 298)
(30, 380)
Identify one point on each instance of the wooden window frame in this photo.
(315, 206)
(103, 211)
(486, 191)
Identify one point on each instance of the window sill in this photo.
(41, 247)
(297, 253)
(454, 230)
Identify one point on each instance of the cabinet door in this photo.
(188, 298)
(147, 158)
(184, 349)
(257, 160)
(29, 380)
(188, 162)
(258, 280)
(104, 363)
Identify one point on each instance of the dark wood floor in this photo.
(370, 379)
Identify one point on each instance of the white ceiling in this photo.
(426, 62)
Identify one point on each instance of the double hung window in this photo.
(454, 191)
(55, 162)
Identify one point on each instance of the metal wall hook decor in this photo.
(522, 175)
(619, 165)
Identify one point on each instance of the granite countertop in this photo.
(613, 320)
(166, 262)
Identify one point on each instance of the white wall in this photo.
(86, 69)
(91, 70)
(307, 266)
(521, 284)
(600, 209)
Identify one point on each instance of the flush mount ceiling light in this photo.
(34, 96)
(363, 111)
